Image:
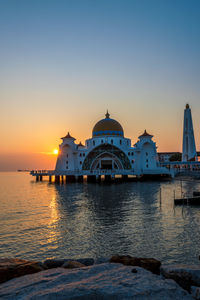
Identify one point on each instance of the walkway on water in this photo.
(180, 168)
(94, 176)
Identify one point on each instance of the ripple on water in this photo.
(42, 220)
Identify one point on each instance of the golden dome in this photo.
(107, 126)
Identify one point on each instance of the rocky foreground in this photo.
(121, 277)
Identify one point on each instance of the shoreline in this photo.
(17, 276)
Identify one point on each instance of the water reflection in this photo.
(122, 218)
(42, 220)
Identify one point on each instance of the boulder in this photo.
(53, 263)
(14, 267)
(104, 281)
(101, 260)
(195, 291)
(72, 264)
(150, 264)
(86, 261)
(184, 275)
(56, 263)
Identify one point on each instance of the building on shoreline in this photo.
(166, 156)
(108, 150)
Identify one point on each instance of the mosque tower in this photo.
(189, 148)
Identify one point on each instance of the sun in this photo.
(55, 151)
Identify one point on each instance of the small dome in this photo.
(68, 136)
(107, 126)
(145, 134)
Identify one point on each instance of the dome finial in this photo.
(187, 106)
(107, 115)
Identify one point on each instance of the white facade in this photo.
(108, 149)
(189, 147)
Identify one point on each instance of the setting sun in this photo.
(55, 151)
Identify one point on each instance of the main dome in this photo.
(107, 126)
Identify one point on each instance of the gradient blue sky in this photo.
(63, 63)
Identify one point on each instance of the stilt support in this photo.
(70, 178)
(125, 177)
(98, 178)
(107, 178)
(80, 178)
(57, 179)
(91, 178)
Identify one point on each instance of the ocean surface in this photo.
(39, 220)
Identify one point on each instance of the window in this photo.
(83, 154)
(147, 166)
(67, 155)
(146, 153)
(147, 160)
(80, 154)
(132, 161)
(93, 143)
(66, 161)
(80, 162)
(111, 141)
(132, 153)
(127, 143)
(120, 142)
(102, 141)
(128, 153)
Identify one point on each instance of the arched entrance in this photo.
(108, 157)
(106, 161)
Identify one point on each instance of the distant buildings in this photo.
(189, 148)
(189, 152)
(166, 156)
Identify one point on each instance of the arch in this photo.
(106, 156)
(109, 150)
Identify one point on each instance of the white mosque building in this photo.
(108, 151)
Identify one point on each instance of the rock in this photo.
(184, 275)
(71, 264)
(86, 261)
(150, 264)
(14, 267)
(101, 260)
(195, 291)
(104, 281)
(53, 263)
(134, 270)
(56, 263)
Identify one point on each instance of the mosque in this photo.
(108, 151)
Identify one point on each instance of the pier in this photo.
(95, 176)
(181, 168)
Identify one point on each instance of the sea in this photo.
(42, 220)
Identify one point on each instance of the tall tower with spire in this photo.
(189, 148)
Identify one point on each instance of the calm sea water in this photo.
(39, 220)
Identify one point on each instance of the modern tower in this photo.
(189, 148)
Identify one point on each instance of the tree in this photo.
(176, 157)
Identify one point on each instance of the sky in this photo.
(63, 63)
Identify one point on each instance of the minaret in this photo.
(189, 149)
